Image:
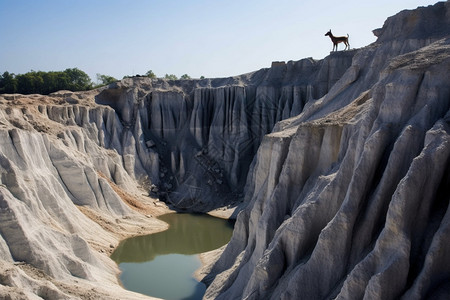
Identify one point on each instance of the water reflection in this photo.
(162, 264)
(167, 276)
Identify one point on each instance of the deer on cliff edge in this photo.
(338, 39)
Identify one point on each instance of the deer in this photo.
(338, 39)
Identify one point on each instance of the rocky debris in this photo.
(350, 199)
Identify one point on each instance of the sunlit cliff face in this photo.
(196, 139)
(349, 199)
(341, 162)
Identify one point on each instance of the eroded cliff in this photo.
(343, 164)
(77, 168)
(65, 200)
(350, 199)
(195, 139)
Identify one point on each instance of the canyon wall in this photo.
(195, 139)
(350, 198)
(65, 200)
(342, 164)
(76, 169)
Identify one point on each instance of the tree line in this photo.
(150, 74)
(39, 82)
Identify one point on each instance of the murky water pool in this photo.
(162, 264)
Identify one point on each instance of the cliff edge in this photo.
(350, 199)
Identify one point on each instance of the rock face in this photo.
(59, 210)
(195, 139)
(350, 199)
(74, 166)
(342, 163)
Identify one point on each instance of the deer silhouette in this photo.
(338, 39)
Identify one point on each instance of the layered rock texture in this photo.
(342, 164)
(65, 200)
(350, 199)
(195, 139)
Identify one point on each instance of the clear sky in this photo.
(211, 38)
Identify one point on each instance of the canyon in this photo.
(338, 171)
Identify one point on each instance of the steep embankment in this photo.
(60, 212)
(195, 139)
(350, 199)
(346, 197)
(76, 168)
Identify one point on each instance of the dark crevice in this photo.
(420, 244)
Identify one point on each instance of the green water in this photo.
(162, 264)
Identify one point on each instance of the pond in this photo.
(162, 264)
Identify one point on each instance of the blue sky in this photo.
(212, 38)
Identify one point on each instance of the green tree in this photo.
(45, 82)
(77, 80)
(105, 79)
(150, 74)
(30, 83)
(170, 77)
(202, 77)
(185, 76)
(8, 83)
